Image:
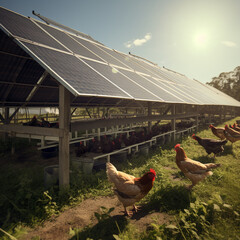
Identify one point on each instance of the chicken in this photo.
(194, 170)
(128, 188)
(81, 149)
(34, 122)
(235, 127)
(45, 123)
(218, 132)
(107, 145)
(210, 145)
(231, 134)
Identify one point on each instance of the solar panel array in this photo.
(87, 68)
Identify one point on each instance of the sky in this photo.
(200, 39)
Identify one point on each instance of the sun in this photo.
(200, 39)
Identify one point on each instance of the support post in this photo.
(197, 121)
(64, 124)
(149, 114)
(173, 121)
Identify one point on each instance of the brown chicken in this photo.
(128, 188)
(193, 170)
(235, 127)
(231, 134)
(218, 132)
(210, 145)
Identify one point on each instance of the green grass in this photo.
(210, 211)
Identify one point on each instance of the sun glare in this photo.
(200, 39)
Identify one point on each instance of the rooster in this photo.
(194, 170)
(218, 132)
(210, 145)
(231, 134)
(128, 188)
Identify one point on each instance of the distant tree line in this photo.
(228, 82)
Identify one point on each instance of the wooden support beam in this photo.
(64, 125)
(101, 123)
(173, 121)
(149, 114)
(16, 128)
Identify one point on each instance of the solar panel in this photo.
(173, 91)
(23, 27)
(69, 42)
(129, 86)
(74, 74)
(186, 91)
(148, 85)
(87, 68)
(94, 48)
(124, 59)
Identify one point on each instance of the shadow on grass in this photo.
(103, 229)
(166, 199)
(228, 149)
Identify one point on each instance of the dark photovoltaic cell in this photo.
(77, 74)
(186, 91)
(173, 91)
(162, 94)
(123, 82)
(125, 59)
(25, 28)
(94, 48)
(69, 42)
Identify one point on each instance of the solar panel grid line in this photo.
(201, 95)
(179, 92)
(42, 45)
(172, 91)
(55, 49)
(138, 68)
(73, 72)
(177, 87)
(125, 83)
(70, 33)
(166, 90)
(112, 56)
(44, 65)
(142, 65)
(148, 85)
(86, 47)
(163, 89)
(99, 51)
(68, 42)
(22, 26)
(106, 78)
(50, 34)
(141, 86)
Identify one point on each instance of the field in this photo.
(169, 211)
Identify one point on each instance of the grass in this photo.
(210, 211)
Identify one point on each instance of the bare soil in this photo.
(58, 227)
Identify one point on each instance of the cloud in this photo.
(229, 43)
(138, 42)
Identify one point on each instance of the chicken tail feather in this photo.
(111, 171)
(212, 165)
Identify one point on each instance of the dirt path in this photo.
(83, 215)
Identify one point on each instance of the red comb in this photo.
(177, 146)
(193, 135)
(210, 125)
(153, 171)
